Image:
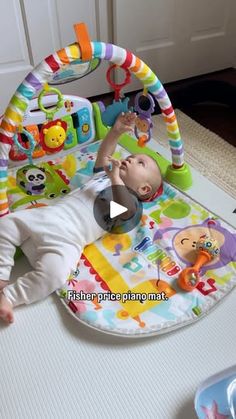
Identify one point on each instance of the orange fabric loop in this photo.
(83, 40)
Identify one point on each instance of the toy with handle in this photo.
(208, 249)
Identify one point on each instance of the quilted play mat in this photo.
(126, 284)
(179, 261)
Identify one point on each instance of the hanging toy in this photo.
(144, 106)
(33, 180)
(53, 133)
(28, 151)
(118, 106)
(15, 154)
(208, 249)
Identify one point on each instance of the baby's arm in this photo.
(120, 195)
(124, 123)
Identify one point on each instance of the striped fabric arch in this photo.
(35, 80)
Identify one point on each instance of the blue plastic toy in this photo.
(216, 396)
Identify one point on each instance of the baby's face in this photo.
(137, 169)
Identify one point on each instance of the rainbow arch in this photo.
(35, 80)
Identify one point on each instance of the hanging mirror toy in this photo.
(52, 133)
(28, 151)
(118, 105)
(144, 106)
(34, 177)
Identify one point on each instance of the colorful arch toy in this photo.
(178, 173)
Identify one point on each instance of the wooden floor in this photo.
(209, 99)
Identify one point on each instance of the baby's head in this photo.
(141, 173)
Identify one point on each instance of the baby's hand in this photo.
(112, 167)
(125, 122)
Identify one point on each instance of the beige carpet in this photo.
(212, 156)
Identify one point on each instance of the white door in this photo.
(30, 30)
(177, 38)
(15, 55)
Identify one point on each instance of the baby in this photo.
(53, 237)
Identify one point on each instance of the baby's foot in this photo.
(6, 310)
(3, 284)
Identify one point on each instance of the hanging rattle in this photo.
(207, 249)
(31, 179)
(53, 133)
(28, 151)
(118, 105)
(144, 106)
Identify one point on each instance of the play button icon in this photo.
(116, 209)
(114, 217)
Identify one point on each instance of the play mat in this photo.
(131, 284)
(120, 278)
(126, 283)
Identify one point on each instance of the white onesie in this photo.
(52, 238)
